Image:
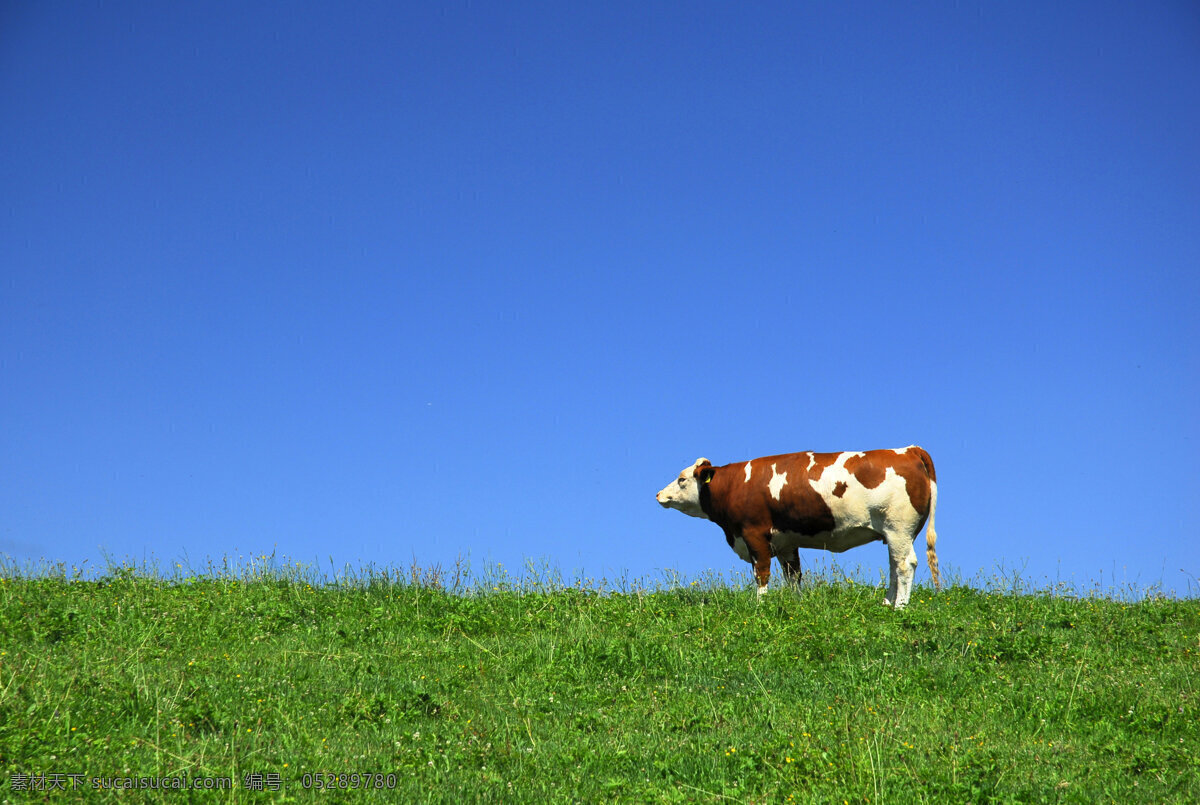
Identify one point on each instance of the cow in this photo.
(774, 506)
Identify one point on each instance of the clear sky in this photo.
(389, 281)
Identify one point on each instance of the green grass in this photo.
(528, 691)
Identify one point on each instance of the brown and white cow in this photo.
(774, 506)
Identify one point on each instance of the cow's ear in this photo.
(705, 474)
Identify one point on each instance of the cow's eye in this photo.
(682, 481)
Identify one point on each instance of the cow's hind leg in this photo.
(893, 582)
(903, 565)
(789, 563)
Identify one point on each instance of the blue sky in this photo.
(390, 281)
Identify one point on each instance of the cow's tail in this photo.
(930, 534)
(931, 538)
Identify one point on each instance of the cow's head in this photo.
(684, 492)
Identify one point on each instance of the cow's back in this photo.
(810, 493)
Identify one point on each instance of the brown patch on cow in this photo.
(839, 489)
(733, 506)
(913, 465)
(925, 460)
(747, 508)
(819, 461)
(870, 468)
(916, 468)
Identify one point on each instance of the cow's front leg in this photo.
(759, 546)
(790, 564)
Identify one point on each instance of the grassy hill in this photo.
(530, 692)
